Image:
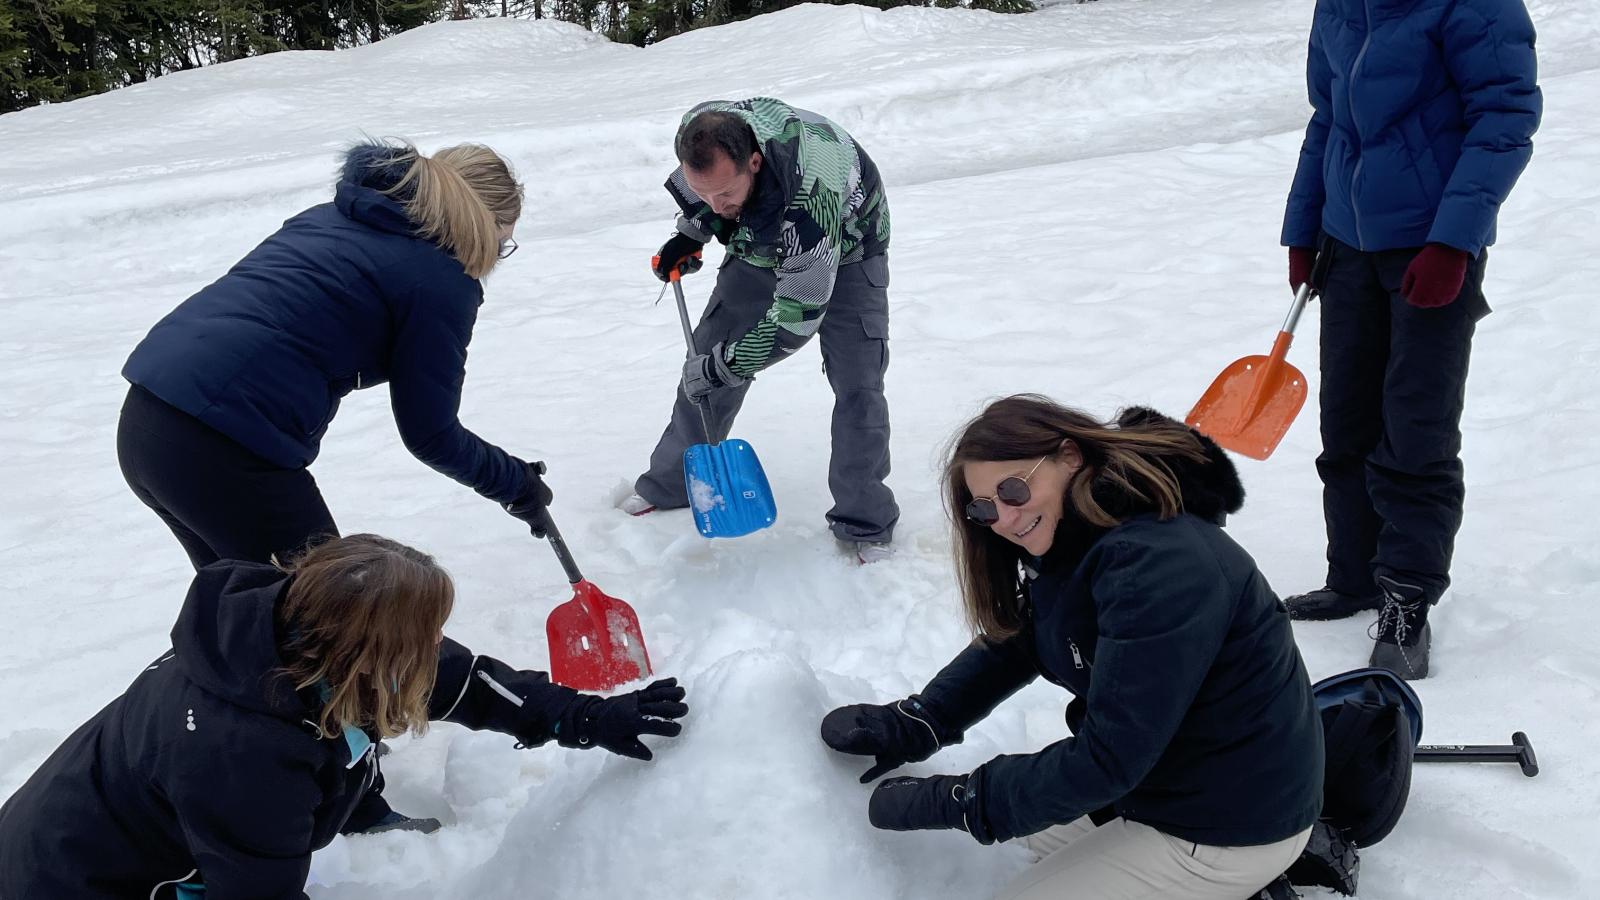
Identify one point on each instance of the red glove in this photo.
(1301, 261)
(1434, 277)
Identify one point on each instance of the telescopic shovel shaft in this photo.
(688, 339)
(1519, 751)
(553, 535)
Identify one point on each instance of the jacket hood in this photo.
(224, 638)
(370, 169)
(1211, 487)
(1211, 491)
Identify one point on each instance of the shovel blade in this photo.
(595, 641)
(1250, 406)
(728, 490)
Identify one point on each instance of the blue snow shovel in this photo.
(728, 490)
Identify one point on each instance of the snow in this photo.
(1086, 203)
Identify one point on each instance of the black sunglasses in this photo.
(1012, 491)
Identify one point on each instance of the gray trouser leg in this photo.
(742, 295)
(855, 353)
(854, 341)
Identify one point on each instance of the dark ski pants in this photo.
(1393, 385)
(222, 501)
(854, 337)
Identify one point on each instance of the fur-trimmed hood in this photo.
(1211, 489)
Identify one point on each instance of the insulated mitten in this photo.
(915, 804)
(896, 733)
(531, 503)
(615, 723)
(705, 372)
(1301, 261)
(680, 250)
(1435, 276)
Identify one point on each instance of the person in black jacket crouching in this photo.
(243, 749)
(1091, 554)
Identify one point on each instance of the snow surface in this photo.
(1086, 203)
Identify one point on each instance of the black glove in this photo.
(615, 723)
(915, 804)
(705, 372)
(530, 504)
(896, 733)
(679, 252)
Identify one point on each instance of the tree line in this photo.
(56, 50)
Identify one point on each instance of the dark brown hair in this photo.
(712, 131)
(361, 621)
(1124, 473)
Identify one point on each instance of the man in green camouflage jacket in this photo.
(801, 209)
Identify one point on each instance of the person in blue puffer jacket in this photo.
(1424, 117)
(233, 391)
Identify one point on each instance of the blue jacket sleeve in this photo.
(426, 371)
(1488, 48)
(1161, 627)
(1303, 218)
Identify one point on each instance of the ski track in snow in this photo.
(1086, 202)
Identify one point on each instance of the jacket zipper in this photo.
(1077, 658)
(1350, 94)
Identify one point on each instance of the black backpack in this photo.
(1371, 725)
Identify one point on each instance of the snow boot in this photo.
(397, 822)
(1403, 636)
(635, 505)
(1279, 889)
(869, 552)
(1326, 604)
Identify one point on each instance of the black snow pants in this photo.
(1394, 382)
(222, 501)
(854, 337)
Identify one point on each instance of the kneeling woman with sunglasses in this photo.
(247, 745)
(1090, 554)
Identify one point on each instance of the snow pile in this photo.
(1086, 203)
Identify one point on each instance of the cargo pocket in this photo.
(876, 327)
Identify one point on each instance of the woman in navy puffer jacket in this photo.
(233, 390)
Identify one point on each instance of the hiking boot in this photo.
(869, 552)
(635, 505)
(397, 822)
(1403, 636)
(1326, 604)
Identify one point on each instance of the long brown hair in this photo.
(1123, 474)
(459, 198)
(361, 622)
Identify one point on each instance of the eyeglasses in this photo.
(1012, 491)
(508, 247)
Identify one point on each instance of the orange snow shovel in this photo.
(595, 641)
(1251, 405)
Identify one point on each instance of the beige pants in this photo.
(1124, 860)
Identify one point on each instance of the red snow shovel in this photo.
(595, 642)
(1251, 405)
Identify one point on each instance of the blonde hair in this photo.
(1126, 470)
(458, 198)
(361, 624)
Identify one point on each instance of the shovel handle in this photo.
(1295, 309)
(688, 338)
(1519, 751)
(553, 535)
